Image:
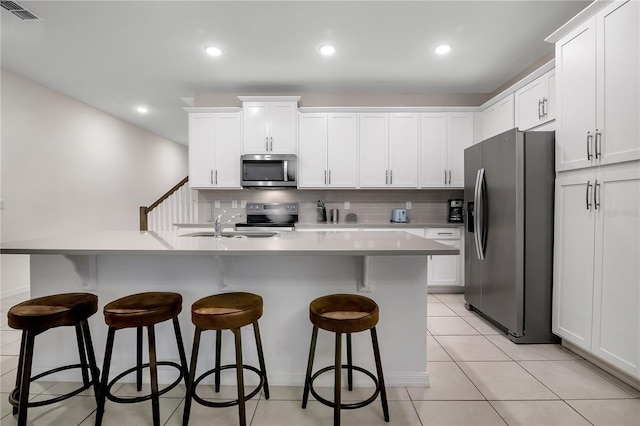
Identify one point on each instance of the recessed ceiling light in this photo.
(327, 49)
(142, 109)
(442, 49)
(213, 50)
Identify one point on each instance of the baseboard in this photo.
(603, 365)
(442, 289)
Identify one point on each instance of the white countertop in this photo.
(391, 243)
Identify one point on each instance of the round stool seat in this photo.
(52, 311)
(226, 311)
(344, 313)
(142, 309)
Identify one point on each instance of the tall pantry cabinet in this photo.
(597, 226)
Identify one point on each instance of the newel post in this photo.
(143, 219)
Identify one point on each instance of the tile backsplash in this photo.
(371, 206)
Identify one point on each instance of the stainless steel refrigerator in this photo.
(508, 193)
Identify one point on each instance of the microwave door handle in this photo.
(286, 172)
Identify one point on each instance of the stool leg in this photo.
(383, 391)
(23, 344)
(307, 377)
(240, 377)
(192, 376)
(338, 381)
(139, 359)
(263, 368)
(183, 357)
(218, 355)
(83, 356)
(153, 368)
(95, 373)
(349, 363)
(25, 378)
(102, 395)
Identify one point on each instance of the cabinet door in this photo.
(256, 128)
(404, 139)
(342, 153)
(433, 156)
(228, 139)
(312, 150)
(460, 137)
(529, 104)
(201, 137)
(282, 128)
(616, 304)
(499, 117)
(618, 60)
(444, 270)
(374, 150)
(576, 102)
(573, 258)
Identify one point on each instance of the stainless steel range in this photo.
(270, 217)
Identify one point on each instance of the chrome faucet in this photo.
(217, 226)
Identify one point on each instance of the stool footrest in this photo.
(131, 400)
(14, 395)
(232, 402)
(345, 406)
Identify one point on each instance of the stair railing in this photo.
(175, 206)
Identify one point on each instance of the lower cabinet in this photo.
(445, 270)
(596, 289)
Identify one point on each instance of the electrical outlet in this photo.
(243, 204)
(408, 207)
(216, 204)
(234, 204)
(347, 205)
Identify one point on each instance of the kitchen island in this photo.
(288, 270)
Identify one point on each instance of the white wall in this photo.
(68, 167)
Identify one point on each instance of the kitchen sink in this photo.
(234, 234)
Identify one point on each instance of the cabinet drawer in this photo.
(443, 233)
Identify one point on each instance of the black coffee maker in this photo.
(456, 211)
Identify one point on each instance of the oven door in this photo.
(269, 170)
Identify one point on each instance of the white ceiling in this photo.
(115, 55)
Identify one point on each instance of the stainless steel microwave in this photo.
(268, 170)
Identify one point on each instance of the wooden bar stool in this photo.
(226, 311)
(344, 314)
(138, 311)
(38, 315)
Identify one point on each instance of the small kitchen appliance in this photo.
(270, 217)
(268, 171)
(399, 216)
(321, 212)
(456, 211)
(335, 215)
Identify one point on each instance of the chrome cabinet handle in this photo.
(271, 139)
(216, 180)
(445, 233)
(391, 177)
(596, 195)
(445, 176)
(386, 177)
(586, 194)
(211, 177)
(329, 176)
(325, 177)
(589, 141)
(449, 176)
(598, 144)
(545, 102)
(266, 144)
(539, 109)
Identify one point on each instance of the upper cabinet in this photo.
(443, 141)
(498, 117)
(389, 150)
(534, 103)
(597, 88)
(269, 124)
(327, 150)
(214, 150)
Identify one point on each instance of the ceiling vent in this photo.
(18, 10)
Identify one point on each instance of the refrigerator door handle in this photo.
(481, 231)
(476, 222)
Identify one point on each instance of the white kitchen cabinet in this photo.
(597, 86)
(389, 150)
(445, 270)
(444, 138)
(269, 126)
(534, 102)
(214, 150)
(498, 117)
(596, 293)
(327, 150)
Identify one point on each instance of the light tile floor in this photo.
(478, 377)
